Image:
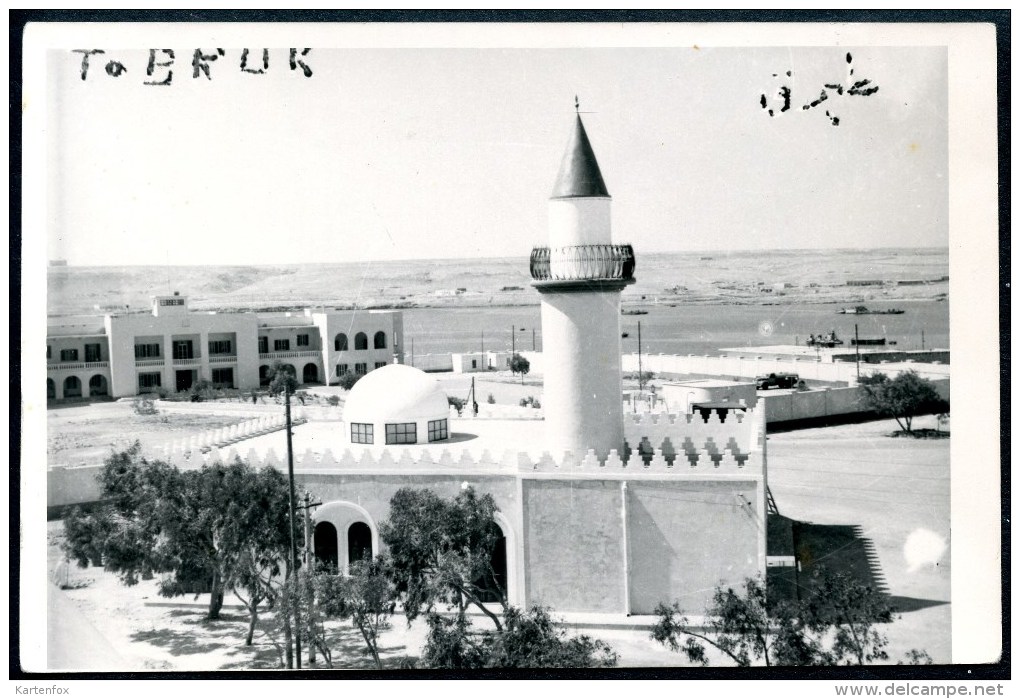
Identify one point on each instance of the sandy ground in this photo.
(87, 434)
(849, 475)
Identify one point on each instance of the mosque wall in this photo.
(574, 548)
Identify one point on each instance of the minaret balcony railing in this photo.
(583, 263)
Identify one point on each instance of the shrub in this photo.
(144, 405)
(490, 400)
(333, 401)
(457, 403)
(347, 380)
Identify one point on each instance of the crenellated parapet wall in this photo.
(633, 462)
(740, 432)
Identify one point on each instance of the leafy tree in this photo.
(365, 595)
(834, 625)
(347, 380)
(741, 627)
(527, 640)
(849, 610)
(203, 529)
(903, 398)
(441, 550)
(520, 365)
(531, 639)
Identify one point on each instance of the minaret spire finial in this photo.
(577, 105)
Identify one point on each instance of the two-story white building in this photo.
(172, 348)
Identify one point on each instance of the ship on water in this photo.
(864, 311)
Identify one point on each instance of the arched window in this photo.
(340, 343)
(361, 341)
(97, 385)
(310, 374)
(72, 387)
(380, 340)
(51, 389)
(327, 545)
(359, 542)
(264, 375)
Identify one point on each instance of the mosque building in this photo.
(613, 513)
(601, 512)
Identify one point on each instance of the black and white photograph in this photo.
(405, 347)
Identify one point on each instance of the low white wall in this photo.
(825, 402)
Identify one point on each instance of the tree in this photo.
(741, 627)
(527, 640)
(848, 610)
(441, 550)
(365, 595)
(202, 529)
(520, 365)
(833, 625)
(902, 398)
(347, 380)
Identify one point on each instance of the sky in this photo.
(436, 153)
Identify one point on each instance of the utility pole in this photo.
(307, 506)
(483, 345)
(293, 543)
(922, 338)
(513, 346)
(857, 351)
(640, 374)
(533, 339)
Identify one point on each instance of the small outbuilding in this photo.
(397, 404)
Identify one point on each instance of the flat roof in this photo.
(804, 351)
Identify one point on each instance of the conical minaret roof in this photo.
(579, 171)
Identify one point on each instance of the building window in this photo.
(341, 369)
(380, 340)
(302, 340)
(474, 363)
(361, 341)
(437, 430)
(223, 378)
(362, 433)
(171, 302)
(183, 349)
(380, 365)
(149, 350)
(220, 347)
(402, 433)
(69, 355)
(149, 382)
(49, 352)
(281, 345)
(263, 344)
(340, 343)
(92, 353)
(361, 368)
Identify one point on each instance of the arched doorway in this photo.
(97, 385)
(361, 341)
(380, 340)
(264, 375)
(493, 585)
(359, 542)
(51, 389)
(326, 545)
(289, 369)
(310, 374)
(72, 387)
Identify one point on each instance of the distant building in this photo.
(172, 348)
(864, 282)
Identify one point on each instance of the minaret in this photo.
(580, 276)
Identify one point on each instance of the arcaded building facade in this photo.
(172, 348)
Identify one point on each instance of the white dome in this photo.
(396, 393)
